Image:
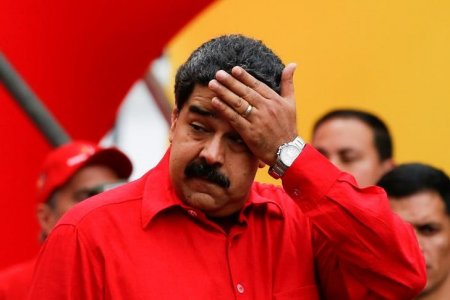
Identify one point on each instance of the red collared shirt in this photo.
(140, 241)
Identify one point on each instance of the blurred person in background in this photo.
(420, 194)
(357, 142)
(69, 174)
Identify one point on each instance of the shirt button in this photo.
(240, 288)
(192, 213)
(296, 192)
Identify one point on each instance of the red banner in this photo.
(80, 58)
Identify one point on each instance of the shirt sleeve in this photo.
(362, 249)
(65, 268)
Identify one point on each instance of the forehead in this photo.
(200, 96)
(199, 105)
(423, 207)
(91, 175)
(343, 132)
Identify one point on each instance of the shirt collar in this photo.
(158, 191)
(159, 194)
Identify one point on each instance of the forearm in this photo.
(355, 229)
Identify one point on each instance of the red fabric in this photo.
(80, 57)
(15, 281)
(141, 242)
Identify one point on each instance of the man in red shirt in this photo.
(69, 174)
(197, 226)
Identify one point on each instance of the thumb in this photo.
(287, 81)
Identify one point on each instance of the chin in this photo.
(201, 200)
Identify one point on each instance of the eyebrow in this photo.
(200, 111)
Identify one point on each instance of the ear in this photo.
(173, 123)
(387, 165)
(47, 218)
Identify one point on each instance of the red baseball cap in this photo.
(63, 162)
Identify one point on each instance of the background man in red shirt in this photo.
(197, 226)
(69, 174)
(357, 142)
(420, 194)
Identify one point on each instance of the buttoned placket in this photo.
(236, 279)
(231, 238)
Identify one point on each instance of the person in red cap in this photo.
(70, 174)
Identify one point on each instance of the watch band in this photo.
(279, 168)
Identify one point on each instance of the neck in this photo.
(226, 222)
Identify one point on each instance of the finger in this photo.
(252, 83)
(238, 88)
(287, 81)
(236, 120)
(230, 98)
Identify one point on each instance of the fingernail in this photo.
(216, 102)
(237, 70)
(213, 84)
(221, 74)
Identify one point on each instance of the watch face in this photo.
(288, 154)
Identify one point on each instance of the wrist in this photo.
(286, 155)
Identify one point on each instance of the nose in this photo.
(422, 242)
(213, 151)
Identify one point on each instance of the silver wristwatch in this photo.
(286, 155)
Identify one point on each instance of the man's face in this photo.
(349, 145)
(75, 190)
(426, 212)
(210, 166)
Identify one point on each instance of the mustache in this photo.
(201, 169)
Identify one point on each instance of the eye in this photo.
(237, 143)
(428, 229)
(198, 127)
(323, 152)
(83, 194)
(349, 158)
(237, 139)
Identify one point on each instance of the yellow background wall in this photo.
(388, 57)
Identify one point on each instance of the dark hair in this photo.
(382, 137)
(223, 53)
(409, 179)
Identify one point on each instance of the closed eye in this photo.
(237, 139)
(198, 127)
(237, 143)
(349, 159)
(348, 156)
(428, 229)
(323, 152)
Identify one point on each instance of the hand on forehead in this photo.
(262, 117)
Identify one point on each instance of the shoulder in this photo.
(269, 190)
(115, 201)
(276, 195)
